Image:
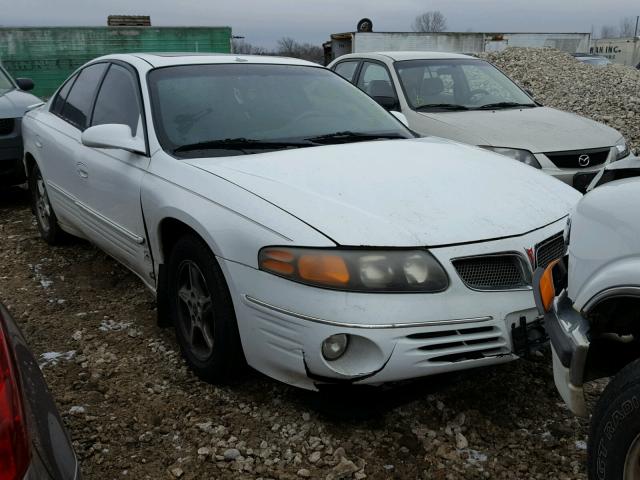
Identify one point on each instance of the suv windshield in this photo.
(5, 82)
(230, 109)
(458, 84)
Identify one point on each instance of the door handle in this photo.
(81, 168)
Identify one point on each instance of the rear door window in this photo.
(118, 101)
(61, 97)
(77, 108)
(347, 70)
(376, 81)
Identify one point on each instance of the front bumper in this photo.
(393, 337)
(11, 150)
(568, 331)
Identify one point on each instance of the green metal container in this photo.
(48, 55)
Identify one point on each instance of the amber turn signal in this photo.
(546, 286)
(324, 269)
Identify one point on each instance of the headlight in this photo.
(524, 156)
(357, 270)
(622, 149)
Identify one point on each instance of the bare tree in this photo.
(608, 31)
(627, 26)
(288, 47)
(241, 47)
(431, 21)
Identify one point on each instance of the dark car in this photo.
(14, 102)
(33, 441)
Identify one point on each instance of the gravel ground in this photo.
(610, 94)
(135, 411)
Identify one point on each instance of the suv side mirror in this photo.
(529, 92)
(389, 103)
(25, 84)
(113, 136)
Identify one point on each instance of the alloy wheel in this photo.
(195, 310)
(43, 207)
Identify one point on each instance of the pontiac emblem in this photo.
(583, 160)
(532, 257)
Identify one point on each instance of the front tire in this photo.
(46, 218)
(202, 312)
(614, 440)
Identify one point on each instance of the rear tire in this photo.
(46, 219)
(614, 440)
(202, 312)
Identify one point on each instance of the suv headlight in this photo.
(524, 156)
(622, 149)
(357, 270)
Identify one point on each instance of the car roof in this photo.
(191, 58)
(399, 56)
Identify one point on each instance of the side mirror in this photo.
(388, 103)
(401, 117)
(113, 136)
(529, 92)
(25, 84)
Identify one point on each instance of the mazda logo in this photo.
(583, 160)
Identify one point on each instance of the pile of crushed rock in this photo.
(608, 94)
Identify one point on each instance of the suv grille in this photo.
(493, 272)
(6, 126)
(549, 250)
(572, 159)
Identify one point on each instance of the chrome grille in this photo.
(493, 272)
(549, 250)
(6, 126)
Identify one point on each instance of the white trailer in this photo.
(625, 51)
(458, 42)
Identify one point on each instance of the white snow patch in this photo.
(77, 410)
(474, 456)
(53, 358)
(112, 326)
(581, 445)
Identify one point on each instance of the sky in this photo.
(263, 22)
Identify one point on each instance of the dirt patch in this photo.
(135, 411)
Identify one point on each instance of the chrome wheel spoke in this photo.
(185, 295)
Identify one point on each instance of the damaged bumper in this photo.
(568, 332)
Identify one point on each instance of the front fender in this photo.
(618, 278)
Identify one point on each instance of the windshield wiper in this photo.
(241, 143)
(498, 105)
(441, 106)
(349, 136)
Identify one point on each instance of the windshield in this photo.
(458, 84)
(5, 82)
(231, 109)
(594, 60)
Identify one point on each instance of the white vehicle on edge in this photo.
(283, 217)
(591, 303)
(468, 100)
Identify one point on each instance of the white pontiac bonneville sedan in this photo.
(284, 217)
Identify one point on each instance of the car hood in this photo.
(538, 130)
(422, 192)
(14, 103)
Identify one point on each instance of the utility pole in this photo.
(637, 19)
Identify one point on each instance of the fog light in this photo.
(334, 346)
